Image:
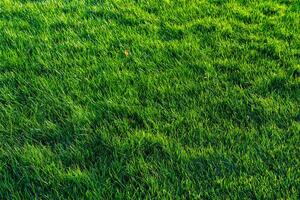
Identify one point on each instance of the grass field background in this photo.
(157, 99)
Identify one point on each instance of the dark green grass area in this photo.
(149, 99)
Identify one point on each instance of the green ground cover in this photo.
(149, 99)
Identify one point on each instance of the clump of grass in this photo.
(149, 99)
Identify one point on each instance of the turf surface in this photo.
(157, 99)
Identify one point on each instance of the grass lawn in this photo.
(149, 99)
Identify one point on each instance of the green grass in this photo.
(149, 99)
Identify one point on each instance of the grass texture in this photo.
(149, 99)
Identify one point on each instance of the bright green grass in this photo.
(149, 99)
